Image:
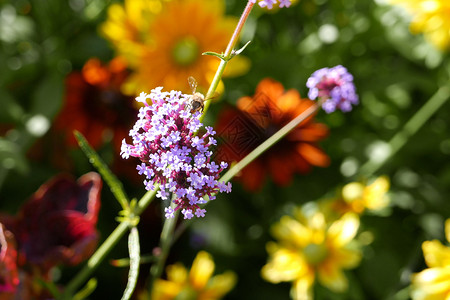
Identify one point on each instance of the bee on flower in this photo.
(197, 100)
(173, 155)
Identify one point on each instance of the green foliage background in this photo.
(395, 74)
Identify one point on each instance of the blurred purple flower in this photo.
(334, 86)
(172, 154)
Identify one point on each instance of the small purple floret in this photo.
(334, 86)
(173, 154)
(270, 3)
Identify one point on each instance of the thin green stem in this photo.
(408, 130)
(165, 245)
(95, 260)
(269, 142)
(99, 255)
(227, 55)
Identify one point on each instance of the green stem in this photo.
(95, 260)
(269, 142)
(408, 130)
(227, 55)
(105, 248)
(165, 244)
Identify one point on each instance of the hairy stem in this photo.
(227, 55)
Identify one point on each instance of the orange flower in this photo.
(258, 118)
(94, 104)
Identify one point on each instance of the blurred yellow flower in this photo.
(128, 26)
(357, 197)
(434, 283)
(194, 284)
(163, 42)
(432, 17)
(307, 248)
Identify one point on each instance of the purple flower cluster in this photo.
(334, 86)
(173, 155)
(270, 3)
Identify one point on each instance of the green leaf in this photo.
(237, 52)
(221, 56)
(134, 249)
(114, 184)
(90, 286)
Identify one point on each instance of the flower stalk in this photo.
(166, 240)
(227, 56)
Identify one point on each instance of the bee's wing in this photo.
(192, 84)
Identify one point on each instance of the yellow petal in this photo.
(201, 270)
(331, 276)
(284, 265)
(342, 231)
(375, 194)
(346, 258)
(436, 254)
(219, 285)
(176, 273)
(302, 288)
(352, 191)
(165, 290)
(291, 232)
(431, 282)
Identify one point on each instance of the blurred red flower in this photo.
(9, 276)
(56, 226)
(95, 105)
(259, 117)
